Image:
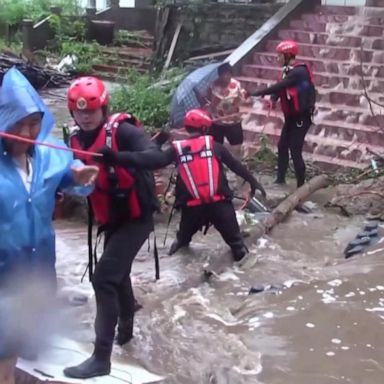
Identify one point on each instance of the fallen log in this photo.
(276, 216)
(288, 205)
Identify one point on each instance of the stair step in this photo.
(375, 3)
(318, 141)
(371, 20)
(324, 80)
(357, 114)
(335, 10)
(320, 149)
(126, 62)
(329, 39)
(128, 52)
(334, 52)
(264, 116)
(356, 28)
(333, 161)
(314, 137)
(328, 92)
(113, 77)
(324, 66)
(117, 70)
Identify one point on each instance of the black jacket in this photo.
(159, 159)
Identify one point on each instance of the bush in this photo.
(150, 103)
(14, 11)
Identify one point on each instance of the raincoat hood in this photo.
(18, 99)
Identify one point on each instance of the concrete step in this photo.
(117, 71)
(324, 80)
(329, 18)
(126, 62)
(347, 131)
(375, 3)
(335, 10)
(329, 39)
(127, 52)
(315, 143)
(334, 53)
(330, 162)
(330, 110)
(354, 27)
(334, 96)
(320, 140)
(325, 66)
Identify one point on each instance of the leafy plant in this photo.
(86, 54)
(264, 158)
(14, 11)
(141, 97)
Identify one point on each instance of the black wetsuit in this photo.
(221, 214)
(296, 125)
(115, 302)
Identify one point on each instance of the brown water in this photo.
(323, 326)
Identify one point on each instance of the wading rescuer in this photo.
(297, 95)
(122, 204)
(30, 176)
(202, 190)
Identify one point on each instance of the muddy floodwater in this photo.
(320, 319)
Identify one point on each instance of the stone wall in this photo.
(130, 19)
(216, 26)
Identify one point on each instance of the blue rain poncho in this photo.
(27, 238)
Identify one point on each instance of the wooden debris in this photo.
(39, 77)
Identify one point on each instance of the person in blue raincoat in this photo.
(30, 176)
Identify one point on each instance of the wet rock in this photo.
(256, 289)
(353, 251)
(78, 300)
(72, 297)
(271, 288)
(356, 199)
(306, 207)
(371, 226)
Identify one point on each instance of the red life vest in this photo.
(124, 181)
(299, 98)
(199, 169)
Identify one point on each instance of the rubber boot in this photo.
(124, 332)
(99, 364)
(176, 245)
(239, 252)
(279, 180)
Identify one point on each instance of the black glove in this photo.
(161, 137)
(258, 93)
(260, 188)
(109, 156)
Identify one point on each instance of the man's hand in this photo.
(109, 156)
(85, 175)
(260, 188)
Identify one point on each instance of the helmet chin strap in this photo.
(287, 60)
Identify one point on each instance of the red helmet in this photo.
(198, 118)
(289, 47)
(87, 93)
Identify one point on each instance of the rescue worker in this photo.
(30, 175)
(123, 204)
(297, 95)
(202, 190)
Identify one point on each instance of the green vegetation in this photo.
(149, 102)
